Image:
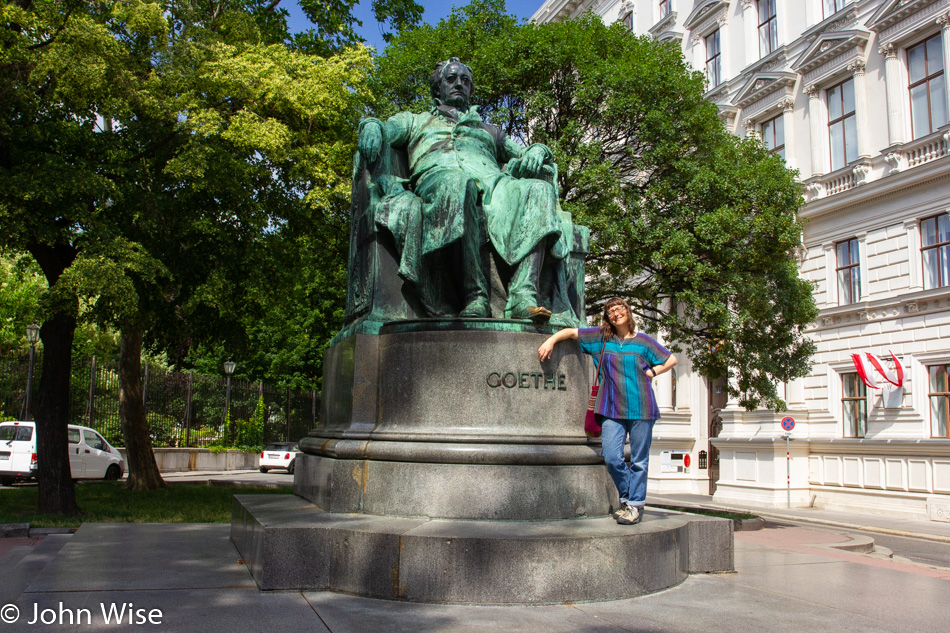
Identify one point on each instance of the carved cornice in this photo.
(706, 15)
(663, 25)
(761, 85)
(893, 12)
(830, 55)
(920, 302)
(898, 20)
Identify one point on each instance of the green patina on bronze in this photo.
(451, 219)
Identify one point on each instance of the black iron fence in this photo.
(183, 409)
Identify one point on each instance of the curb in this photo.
(23, 530)
(14, 530)
(773, 516)
(738, 525)
(937, 538)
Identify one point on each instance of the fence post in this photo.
(145, 388)
(313, 409)
(92, 393)
(191, 376)
(287, 416)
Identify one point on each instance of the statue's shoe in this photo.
(477, 309)
(535, 313)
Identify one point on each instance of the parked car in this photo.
(90, 455)
(279, 455)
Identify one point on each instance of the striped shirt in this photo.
(626, 391)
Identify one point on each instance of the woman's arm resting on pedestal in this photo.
(544, 352)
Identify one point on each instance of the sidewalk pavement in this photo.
(880, 524)
(188, 577)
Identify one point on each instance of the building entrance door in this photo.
(717, 402)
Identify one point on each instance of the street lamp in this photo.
(229, 366)
(33, 336)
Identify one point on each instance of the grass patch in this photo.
(108, 502)
(722, 514)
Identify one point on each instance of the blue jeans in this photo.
(631, 480)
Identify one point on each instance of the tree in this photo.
(146, 150)
(694, 226)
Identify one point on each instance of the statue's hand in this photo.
(532, 161)
(370, 141)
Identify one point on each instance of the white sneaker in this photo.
(628, 516)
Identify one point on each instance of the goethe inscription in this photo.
(526, 380)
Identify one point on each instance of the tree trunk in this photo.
(56, 494)
(143, 471)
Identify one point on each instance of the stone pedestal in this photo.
(455, 419)
(451, 466)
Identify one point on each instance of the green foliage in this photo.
(178, 168)
(108, 502)
(21, 288)
(695, 227)
(245, 435)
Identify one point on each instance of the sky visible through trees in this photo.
(435, 10)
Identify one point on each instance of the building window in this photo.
(665, 8)
(854, 403)
(848, 272)
(842, 125)
(928, 96)
(939, 396)
(833, 6)
(628, 21)
(713, 59)
(935, 251)
(773, 135)
(768, 27)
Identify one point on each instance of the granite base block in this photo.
(291, 544)
(517, 492)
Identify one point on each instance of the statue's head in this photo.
(451, 82)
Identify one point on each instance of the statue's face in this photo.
(456, 85)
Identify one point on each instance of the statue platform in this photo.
(451, 466)
(289, 543)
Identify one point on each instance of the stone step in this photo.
(289, 543)
(18, 577)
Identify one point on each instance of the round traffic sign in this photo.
(788, 423)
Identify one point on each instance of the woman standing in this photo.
(626, 405)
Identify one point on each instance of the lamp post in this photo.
(229, 366)
(33, 336)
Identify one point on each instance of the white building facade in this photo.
(854, 95)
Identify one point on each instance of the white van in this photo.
(90, 455)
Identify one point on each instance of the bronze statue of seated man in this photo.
(469, 186)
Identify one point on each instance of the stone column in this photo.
(663, 388)
(699, 53)
(750, 24)
(944, 22)
(816, 118)
(751, 129)
(831, 277)
(895, 94)
(856, 68)
(914, 260)
(788, 114)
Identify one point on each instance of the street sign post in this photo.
(788, 423)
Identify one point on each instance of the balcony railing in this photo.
(918, 152)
